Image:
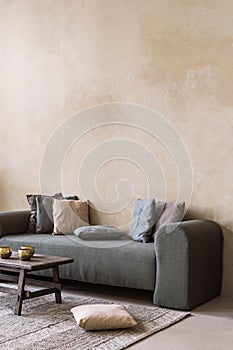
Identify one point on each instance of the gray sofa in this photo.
(183, 267)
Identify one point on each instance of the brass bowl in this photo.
(5, 252)
(24, 254)
(31, 247)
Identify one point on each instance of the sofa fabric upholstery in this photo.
(183, 266)
(130, 265)
(12, 222)
(189, 263)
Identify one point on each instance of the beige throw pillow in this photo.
(68, 215)
(101, 316)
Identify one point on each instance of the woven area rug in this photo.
(45, 325)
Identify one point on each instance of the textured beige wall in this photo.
(58, 57)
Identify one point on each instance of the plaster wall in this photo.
(58, 57)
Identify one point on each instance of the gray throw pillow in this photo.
(44, 212)
(31, 198)
(172, 212)
(98, 232)
(44, 218)
(146, 213)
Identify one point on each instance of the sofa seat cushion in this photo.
(131, 264)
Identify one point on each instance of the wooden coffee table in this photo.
(37, 262)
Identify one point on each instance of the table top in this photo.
(37, 262)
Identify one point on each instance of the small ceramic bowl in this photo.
(31, 247)
(24, 254)
(5, 252)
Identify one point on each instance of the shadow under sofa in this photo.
(183, 266)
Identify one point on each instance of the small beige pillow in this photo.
(68, 215)
(101, 316)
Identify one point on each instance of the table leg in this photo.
(20, 292)
(56, 279)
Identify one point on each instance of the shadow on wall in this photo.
(2, 193)
(227, 282)
(195, 213)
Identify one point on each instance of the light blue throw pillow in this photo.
(146, 214)
(98, 232)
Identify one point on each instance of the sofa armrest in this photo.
(188, 263)
(12, 222)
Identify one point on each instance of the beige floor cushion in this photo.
(101, 316)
